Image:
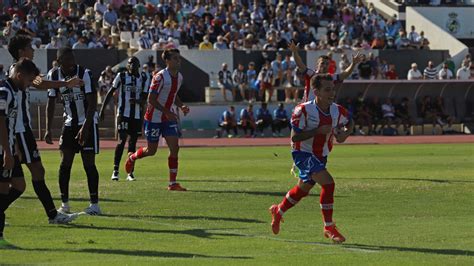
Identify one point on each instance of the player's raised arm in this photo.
(299, 62)
(356, 59)
(115, 84)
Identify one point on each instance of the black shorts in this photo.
(68, 140)
(130, 126)
(8, 175)
(27, 143)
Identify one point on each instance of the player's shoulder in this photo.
(339, 108)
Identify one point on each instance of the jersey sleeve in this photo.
(117, 81)
(52, 93)
(88, 84)
(156, 84)
(5, 99)
(298, 119)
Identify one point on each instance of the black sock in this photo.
(64, 176)
(93, 183)
(118, 154)
(44, 196)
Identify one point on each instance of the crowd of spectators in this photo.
(446, 71)
(208, 24)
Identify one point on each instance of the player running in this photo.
(160, 119)
(79, 132)
(314, 124)
(20, 46)
(132, 87)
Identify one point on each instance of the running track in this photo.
(235, 142)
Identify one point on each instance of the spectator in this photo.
(80, 44)
(252, 81)
(228, 121)
(375, 111)
(445, 72)
(423, 42)
(240, 80)
(280, 120)
(429, 113)
(390, 44)
(277, 69)
(403, 114)
(332, 67)
(402, 42)
(205, 44)
(365, 69)
(451, 65)
(442, 117)
(264, 119)
(225, 82)
(289, 75)
(414, 73)
(391, 73)
(388, 111)
(362, 116)
(430, 71)
(464, 72)
(247, 120)
(144, 42)
(266, 79)
(220, 44)
(414, 37)
(110, 17)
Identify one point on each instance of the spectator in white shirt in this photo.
(445, 73)
(414, 73)
(464, 72)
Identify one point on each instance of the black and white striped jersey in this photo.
(9, 109)
(74, 99)
(23, 118)
(129, 87)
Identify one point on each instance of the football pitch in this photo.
(396, 205)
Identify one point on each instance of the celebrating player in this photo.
(12, 181)
(131, 96)
(20, 46)
(80, 132)
(314, 124)
(160, 119)
(322, 65)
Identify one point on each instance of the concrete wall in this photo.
(439, 39)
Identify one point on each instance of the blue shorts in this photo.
(308, 164)
(153, 131)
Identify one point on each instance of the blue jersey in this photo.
(263, 114)
(244, 115)
(226, 115)
(280, 114)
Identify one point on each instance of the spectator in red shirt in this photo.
(332, 65)
(391, 73)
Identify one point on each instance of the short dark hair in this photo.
(166, 55)
(17, 43)
(316, 80)
(26, 66)
(64, 51)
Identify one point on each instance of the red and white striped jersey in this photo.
(308, 93)
(167, 88)
(308, 116)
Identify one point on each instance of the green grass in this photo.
(397, 205)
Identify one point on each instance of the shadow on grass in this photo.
(76, 199)
(222, 219)
(457, 252)
(408, 179)
(136, 253)
(200, 233)
(225, 181)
